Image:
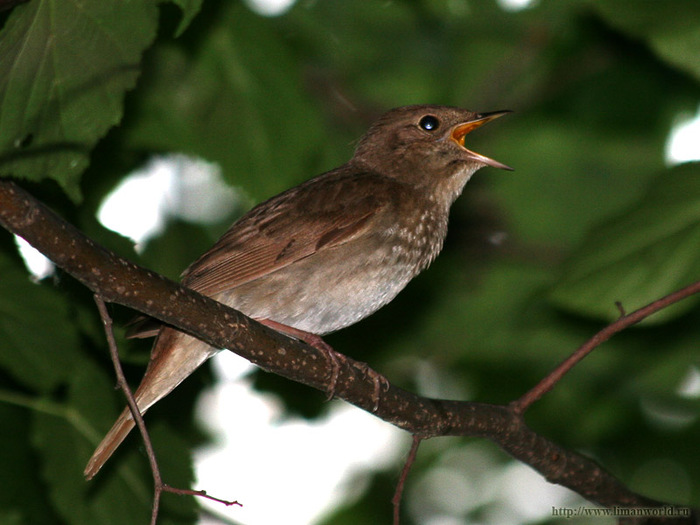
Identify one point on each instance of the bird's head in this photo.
(425, 146)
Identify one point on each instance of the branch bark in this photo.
(120, 281)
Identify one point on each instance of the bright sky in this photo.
(284, 470)
(683, 144)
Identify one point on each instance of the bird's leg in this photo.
(333, 357)
(317, 342)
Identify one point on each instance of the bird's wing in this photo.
(321, 213)
(318, 215)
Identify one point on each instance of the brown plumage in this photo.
(331, 251)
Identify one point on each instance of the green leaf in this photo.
(64, 71)
(240, 105)
(190, 9)
(40, 346)
(64, 438)
(21, 489)
(670, 28)
(648, 252)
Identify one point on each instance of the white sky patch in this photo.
(39, 266)
(284, 470)
(136, 207)
(515, 5)
(167, 186)
(683, 143)
(689, 387)
(270, 7)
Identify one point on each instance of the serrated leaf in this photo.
(65, 68)
(38, 341)
(641, 256)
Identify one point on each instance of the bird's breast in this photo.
(339, 286)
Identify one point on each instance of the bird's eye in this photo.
(429, 123)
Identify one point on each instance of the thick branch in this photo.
(120, 281)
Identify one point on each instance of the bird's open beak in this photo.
(462, 130)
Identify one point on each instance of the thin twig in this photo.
(133, 406)
(625, 321)
(620, 308)
(199, 494)
(410, 459)
(158, 486)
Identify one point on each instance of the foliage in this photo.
(533, 264)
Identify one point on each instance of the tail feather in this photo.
(175, 356)
(109, 444)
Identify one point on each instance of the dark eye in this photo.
(429, 123)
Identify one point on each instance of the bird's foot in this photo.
(334, 358)
(380, 382)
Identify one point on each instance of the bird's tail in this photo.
(109, 444)
(175, 356)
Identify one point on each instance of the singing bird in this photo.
(329, 252)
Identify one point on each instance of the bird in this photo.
(329, 252)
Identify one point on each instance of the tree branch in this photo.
(624, 321)
(120, 281)
(398, 493)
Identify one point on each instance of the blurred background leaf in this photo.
(532, 266)
(636, 258)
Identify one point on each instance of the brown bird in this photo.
(331, 251)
